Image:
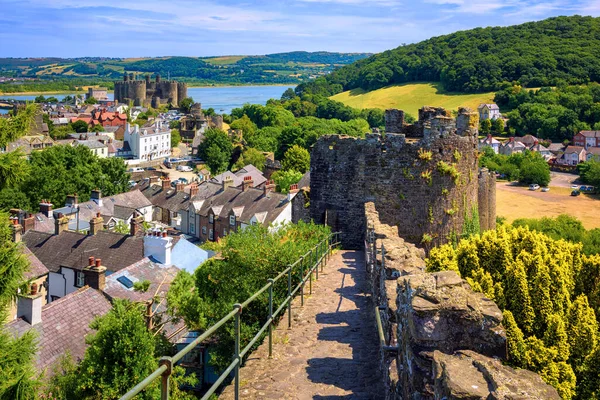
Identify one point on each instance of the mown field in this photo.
(514, 202)
(411, 97)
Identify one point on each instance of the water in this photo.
(222, 99)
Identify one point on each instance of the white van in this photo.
(136, 169)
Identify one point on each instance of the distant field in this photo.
(225, 60)
(411, 97)
(514, 202)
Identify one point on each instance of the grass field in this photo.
(411, 97)
(225, 60)
(514, 202)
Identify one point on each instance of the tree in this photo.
(13, 169)
(284, 179)
(80, 126)
(216, 149)
(13, 198)
(297, 159)
(97, 128)
(485, 126)
(39, 99)
(17, 374)
(91, 100)
(251, 156)
(186, 104)
(175, 138)
(592, 173)
(497, 126)
(13, 128)
(246, 125)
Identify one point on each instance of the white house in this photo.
(491, 142)
(148, 142)
(488, 111)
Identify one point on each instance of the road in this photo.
(563, 179)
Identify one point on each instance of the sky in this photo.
(147, 28)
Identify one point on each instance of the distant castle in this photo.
(146, 93)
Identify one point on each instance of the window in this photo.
(79, 279)
(210, 218)
(204, 230)
(192, 228)
(232, 220)
(211, 235)
(224, 232)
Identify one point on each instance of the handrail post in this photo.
(165, 377)
(315, 264)
(322, 256)
(237, 307)
(310, 266)
(302, 281)
(289, 297)
(272, 282)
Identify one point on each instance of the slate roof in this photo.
(37, 268)
(187, 256)
(72, 249)
(527, 140)
(65, 324)
(145, 269)
(590, 134)
(131, 200)
(304, 181)
(253, 201)
(491, 106)
(168, 199)
(574, 149)
(238, 177)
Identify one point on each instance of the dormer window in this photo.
(232, 220)
(79, 279)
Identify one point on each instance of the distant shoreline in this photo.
(8, 94)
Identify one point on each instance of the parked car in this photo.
(534, 186)
(150, 169)
(132, 183)
(575, 187)
(545, 189)
(136, 169)
(184, 168)
(575, 193)
(183, 180)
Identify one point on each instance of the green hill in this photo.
(543, 53)
(412, 96)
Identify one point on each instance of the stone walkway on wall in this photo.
(331, 352)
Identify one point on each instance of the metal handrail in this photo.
(320, 253)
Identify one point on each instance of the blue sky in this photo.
(139, 28)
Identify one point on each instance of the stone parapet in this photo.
(443, 340)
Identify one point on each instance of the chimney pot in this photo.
(164, 234)
(91, 261)
(98, 263)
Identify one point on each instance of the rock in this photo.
(469, 375)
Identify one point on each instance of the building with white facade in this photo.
(148, 142)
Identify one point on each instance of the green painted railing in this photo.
(308, 264)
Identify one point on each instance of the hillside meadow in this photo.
(411, 97)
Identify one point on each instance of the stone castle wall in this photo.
(424, 179)
(443, 341)
(147, 93)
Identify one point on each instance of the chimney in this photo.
(153, 179)
(16, 230)
(247, 183)
(166, 183)
(292, 192)
(61, 224)
(95, 274)
(29, 306)
(194, 189)
(135, 225)
(46, 208)
(96, 224)
(28, 222)
(159, 247)
(179, 187)
(72, 200)
(269, 187)
(227, 182)
(97, 197)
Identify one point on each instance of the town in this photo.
(381, 228)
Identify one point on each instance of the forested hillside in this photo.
(534, 54)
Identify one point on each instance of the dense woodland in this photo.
(533, 54)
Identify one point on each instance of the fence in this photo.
(316, 257)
